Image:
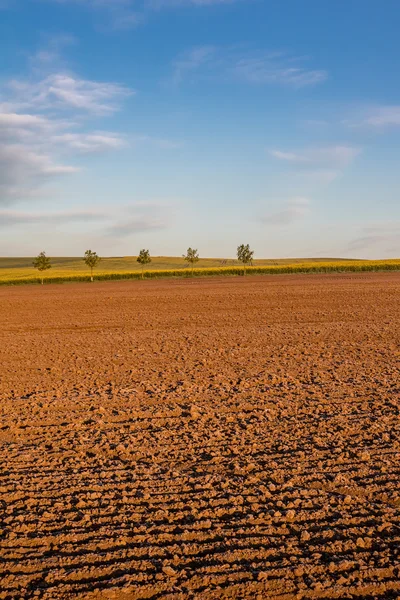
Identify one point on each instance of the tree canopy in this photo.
(191, 256)
(245, 255)
(144, 258)
(42, 263)
(91, 259)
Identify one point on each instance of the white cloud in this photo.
(291, 156)
(103, 226)
(384, 116)
(338, 156)
(30, 128)
(319, 166)
(34, 115)
(12, 217)
(292, 211)
(383, 237)
(12, 120)
(90, 142)
(27, 140)
(126, 20)
(239, 64)
(61, 91)
(376, 118)
(19, 160)
(48, 57)
(266, 70)
(23, 171)
(135, 225)
(192, 60)
(141, 216)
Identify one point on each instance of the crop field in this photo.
(20, 270)
(201, 439)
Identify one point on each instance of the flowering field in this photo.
(75, 272)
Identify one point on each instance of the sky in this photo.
(164, 124)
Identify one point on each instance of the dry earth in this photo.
(224, 438)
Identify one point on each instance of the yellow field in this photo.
(20, 270)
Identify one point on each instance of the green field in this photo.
(13, 269)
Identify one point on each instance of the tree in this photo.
(91, 260)
(42, 263)
(191, 256)
(245, 255)
(144, 258)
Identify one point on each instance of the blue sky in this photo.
(208, 123)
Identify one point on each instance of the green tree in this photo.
(42, 263)
(245, 255)
(91, 260)
(191, 256)
(144, 258)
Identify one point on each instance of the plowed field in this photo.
(225, 438)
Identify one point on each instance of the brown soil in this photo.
(224, 438)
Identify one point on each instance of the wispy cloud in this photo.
(338, 156)
(192, 60)
(135, 225)
(379, 118)
(384, 116)
(384, 237)
(42, 122)
(292, 211)
(318, 166)
(276, 70)
(14, 121)
(12, 217)
(23, 171)
(289, 156)
(120, 222)
(126, 14)
(49, 54)
(141, 217)
(30, 128)
(90, 142)
(242, 65)
(64, 91)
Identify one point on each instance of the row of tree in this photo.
(91, 259)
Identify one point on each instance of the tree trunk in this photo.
(42, 280)
(142, 272)
(91, 274)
